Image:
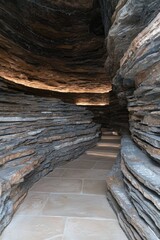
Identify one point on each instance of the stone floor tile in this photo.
(108, 144)
(110, 141)
(87, 229)
(104, 164)
(78, 206)
(104, 151)
(77, 164)
(97, 187)
(34, 228)
(58, 172)
(58, 185)
(86, 157)
(33, 204)
(86, 173)
(111, 137)
(75, 190)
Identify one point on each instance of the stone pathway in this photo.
(70, 203)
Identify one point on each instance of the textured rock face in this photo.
(141, 64)
(129, 19)
(101, 115)
(118, 113)
(37, 134)
(134, 184)
(134, 193)
(54, 45)
(107, 10)
(113, 116)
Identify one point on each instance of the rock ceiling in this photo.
(54, 45)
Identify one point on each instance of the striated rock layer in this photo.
(133, 191)
(129, 19)
(53, 45)
(37, 134)
(134, 184)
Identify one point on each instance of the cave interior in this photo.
(68, 70)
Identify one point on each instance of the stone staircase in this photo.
(70, 202)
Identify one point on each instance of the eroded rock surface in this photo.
(37, 134)
(129, 19)
(133, 192)
(54, 45)
(134, 184)
(141, 65)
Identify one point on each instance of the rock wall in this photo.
(107, 10)
(101, 115)
(36, 134)
(134, 183)
(113, 116)
(53, 45)
(118, 113)
(129, 19)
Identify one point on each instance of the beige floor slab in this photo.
(33, 204)
(114, 140)
(58, 185)
(106, 131)
(97, 187)
(104, 149)
(108, 144)
(104, 164)
(102, 153)
(85, 173)
(34, 228)
(86, 229)
(58, 172)
(70, 202)
(85, 157)
(78, 164)
(78, 206)
(110, 137)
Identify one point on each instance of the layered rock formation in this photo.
(56, 49)
(134, 184)
(133, 192)
(101, 115)
(37, 134)
(129, 19)
(54, 45)
(118, 113)
(113, 116)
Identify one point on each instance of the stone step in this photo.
(101, 151)
(108, 144)
(109, 137)
(108, 133)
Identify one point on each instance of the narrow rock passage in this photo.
(70, 203)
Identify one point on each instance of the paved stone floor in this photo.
(70, 203)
